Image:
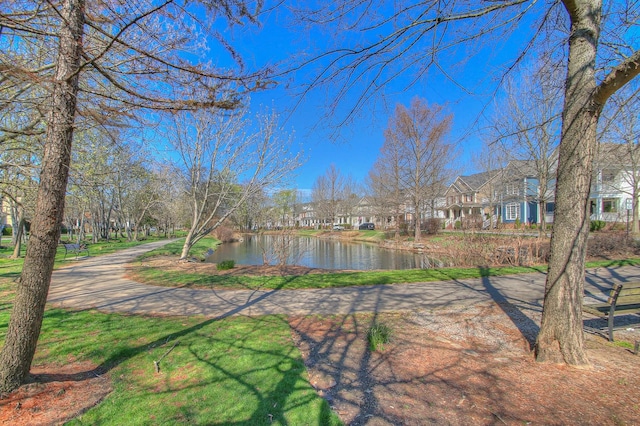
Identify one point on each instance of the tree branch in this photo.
(618, 77)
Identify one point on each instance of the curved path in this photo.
(98, 283)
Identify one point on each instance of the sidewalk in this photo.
(98, 283)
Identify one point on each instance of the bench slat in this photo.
(629, 292)
(631, 285)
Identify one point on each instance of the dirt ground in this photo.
(55, 394)
(459, 366)
(462, 366)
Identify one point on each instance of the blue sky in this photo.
(358, 144)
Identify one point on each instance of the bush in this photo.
(432, 226)
(378, 335)
(457, 225)
(608, 244)
(596, 225)
(225, 265)
(224, 234)
(7, 231)
(516, 224)
(473, 221)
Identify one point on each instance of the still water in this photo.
(317, 253)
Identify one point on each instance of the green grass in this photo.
(338, 279)
(229, 371)
(624, 344)
(378, 335)
(174, 248)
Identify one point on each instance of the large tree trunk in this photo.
(26, 316)
(561, 337)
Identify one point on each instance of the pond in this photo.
(317, 253)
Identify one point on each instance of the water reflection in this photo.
(318, 253)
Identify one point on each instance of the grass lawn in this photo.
(242, 371)
(174, 248)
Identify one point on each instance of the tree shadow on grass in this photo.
(291, 391)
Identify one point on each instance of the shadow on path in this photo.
(528, 328)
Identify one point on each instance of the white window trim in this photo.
(512, 211)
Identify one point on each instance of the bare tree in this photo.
(526, 126)
(129, 57)
(416, 37)
(328, 193)
(385, 185)
(419, 155)
(492, 161)
(224, 164)
(561, 337)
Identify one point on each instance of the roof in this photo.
(478, 180)
(618, 155)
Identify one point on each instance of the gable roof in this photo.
(478, 180)
(617, 155)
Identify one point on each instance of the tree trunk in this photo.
(416, 232)
(561, 338)
(18, 245)
(188, 243)
(31, 295)
(635, 226)
(542, 232)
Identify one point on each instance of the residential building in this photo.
(615, 183)
(470, 197)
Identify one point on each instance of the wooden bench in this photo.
(75, 248)
(624, 298)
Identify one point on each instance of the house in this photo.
(519, 196)
(507, 195)
(616, 182)
(469, 197)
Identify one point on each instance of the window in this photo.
(512, 189)
(512, 211)
(610, 205)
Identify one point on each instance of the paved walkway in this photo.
(98, 283)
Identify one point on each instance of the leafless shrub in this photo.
(472, 222)
(432, 226)
(477, 249)
(281, 248)
(606, 244)
(224, 234)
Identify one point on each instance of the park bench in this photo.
(624, 299)
(75, 248)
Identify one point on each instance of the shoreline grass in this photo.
(175, 278)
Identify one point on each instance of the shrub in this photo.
(224, 234)
(378, 335)
(7, 231)
(457, 225)
(607, 244)
(596, 225)
(516, 224)
(473, 221)
(432, 225)
(225, 265)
